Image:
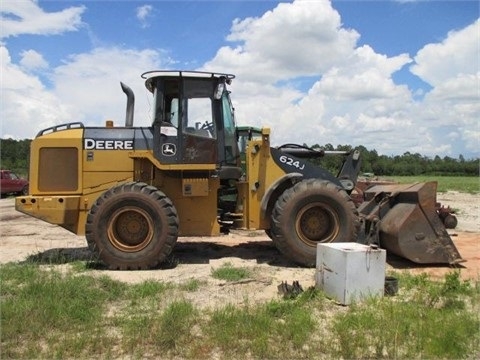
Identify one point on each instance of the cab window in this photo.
(199, 117)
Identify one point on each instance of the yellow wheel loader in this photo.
(133, 190)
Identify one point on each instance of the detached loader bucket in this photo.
(404, 221)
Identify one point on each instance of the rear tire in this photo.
(312, 211)
(132, 226)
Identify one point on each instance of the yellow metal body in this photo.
(66, 181)
(261, 173)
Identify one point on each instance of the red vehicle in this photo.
(11, 183)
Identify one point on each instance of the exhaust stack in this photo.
(130, 104)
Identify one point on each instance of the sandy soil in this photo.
(23, 237)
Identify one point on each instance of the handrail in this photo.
(149, 74)
(61, 127)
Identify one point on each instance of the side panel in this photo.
(107, 155)
(197, 213)
(194, 195)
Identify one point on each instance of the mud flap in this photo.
(403, 220)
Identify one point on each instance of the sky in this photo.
(396, 76)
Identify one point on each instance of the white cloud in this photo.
(306, 39)
(26, 17)
(302, 38)
(367, 76)
(27, 106)
(90, 82)
(456, 56)
(376, 124)
(460, 87)
(471, 137)
(355, 99)
(32, 60)
(452, 67)
(86, 89)
(143, 13)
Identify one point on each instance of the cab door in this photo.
(199, 137)
(185, 130)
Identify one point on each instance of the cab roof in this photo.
(155, 74)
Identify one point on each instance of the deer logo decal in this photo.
(169, 149)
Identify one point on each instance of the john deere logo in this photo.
(101, 144)
(169, 149)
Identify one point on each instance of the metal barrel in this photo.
(408, 224)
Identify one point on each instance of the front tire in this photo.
(312, 211)
(132, 226)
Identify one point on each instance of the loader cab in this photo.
(193, 118)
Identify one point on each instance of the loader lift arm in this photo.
(349, 170)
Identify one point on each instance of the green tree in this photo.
(15, 155)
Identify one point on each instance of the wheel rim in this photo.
(130, 229)
(317, 223)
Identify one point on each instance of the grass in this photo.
(230, 273)
(466, 184)
(155, 330)
(265, 330)
(43, 309)
(192, 285)
(429, 321)
(48, 314)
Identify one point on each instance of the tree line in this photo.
(15, 157)
(407, 164)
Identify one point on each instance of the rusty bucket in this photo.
(407, 224)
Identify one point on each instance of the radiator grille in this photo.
(58, 169)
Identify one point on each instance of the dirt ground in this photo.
(23, 237)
